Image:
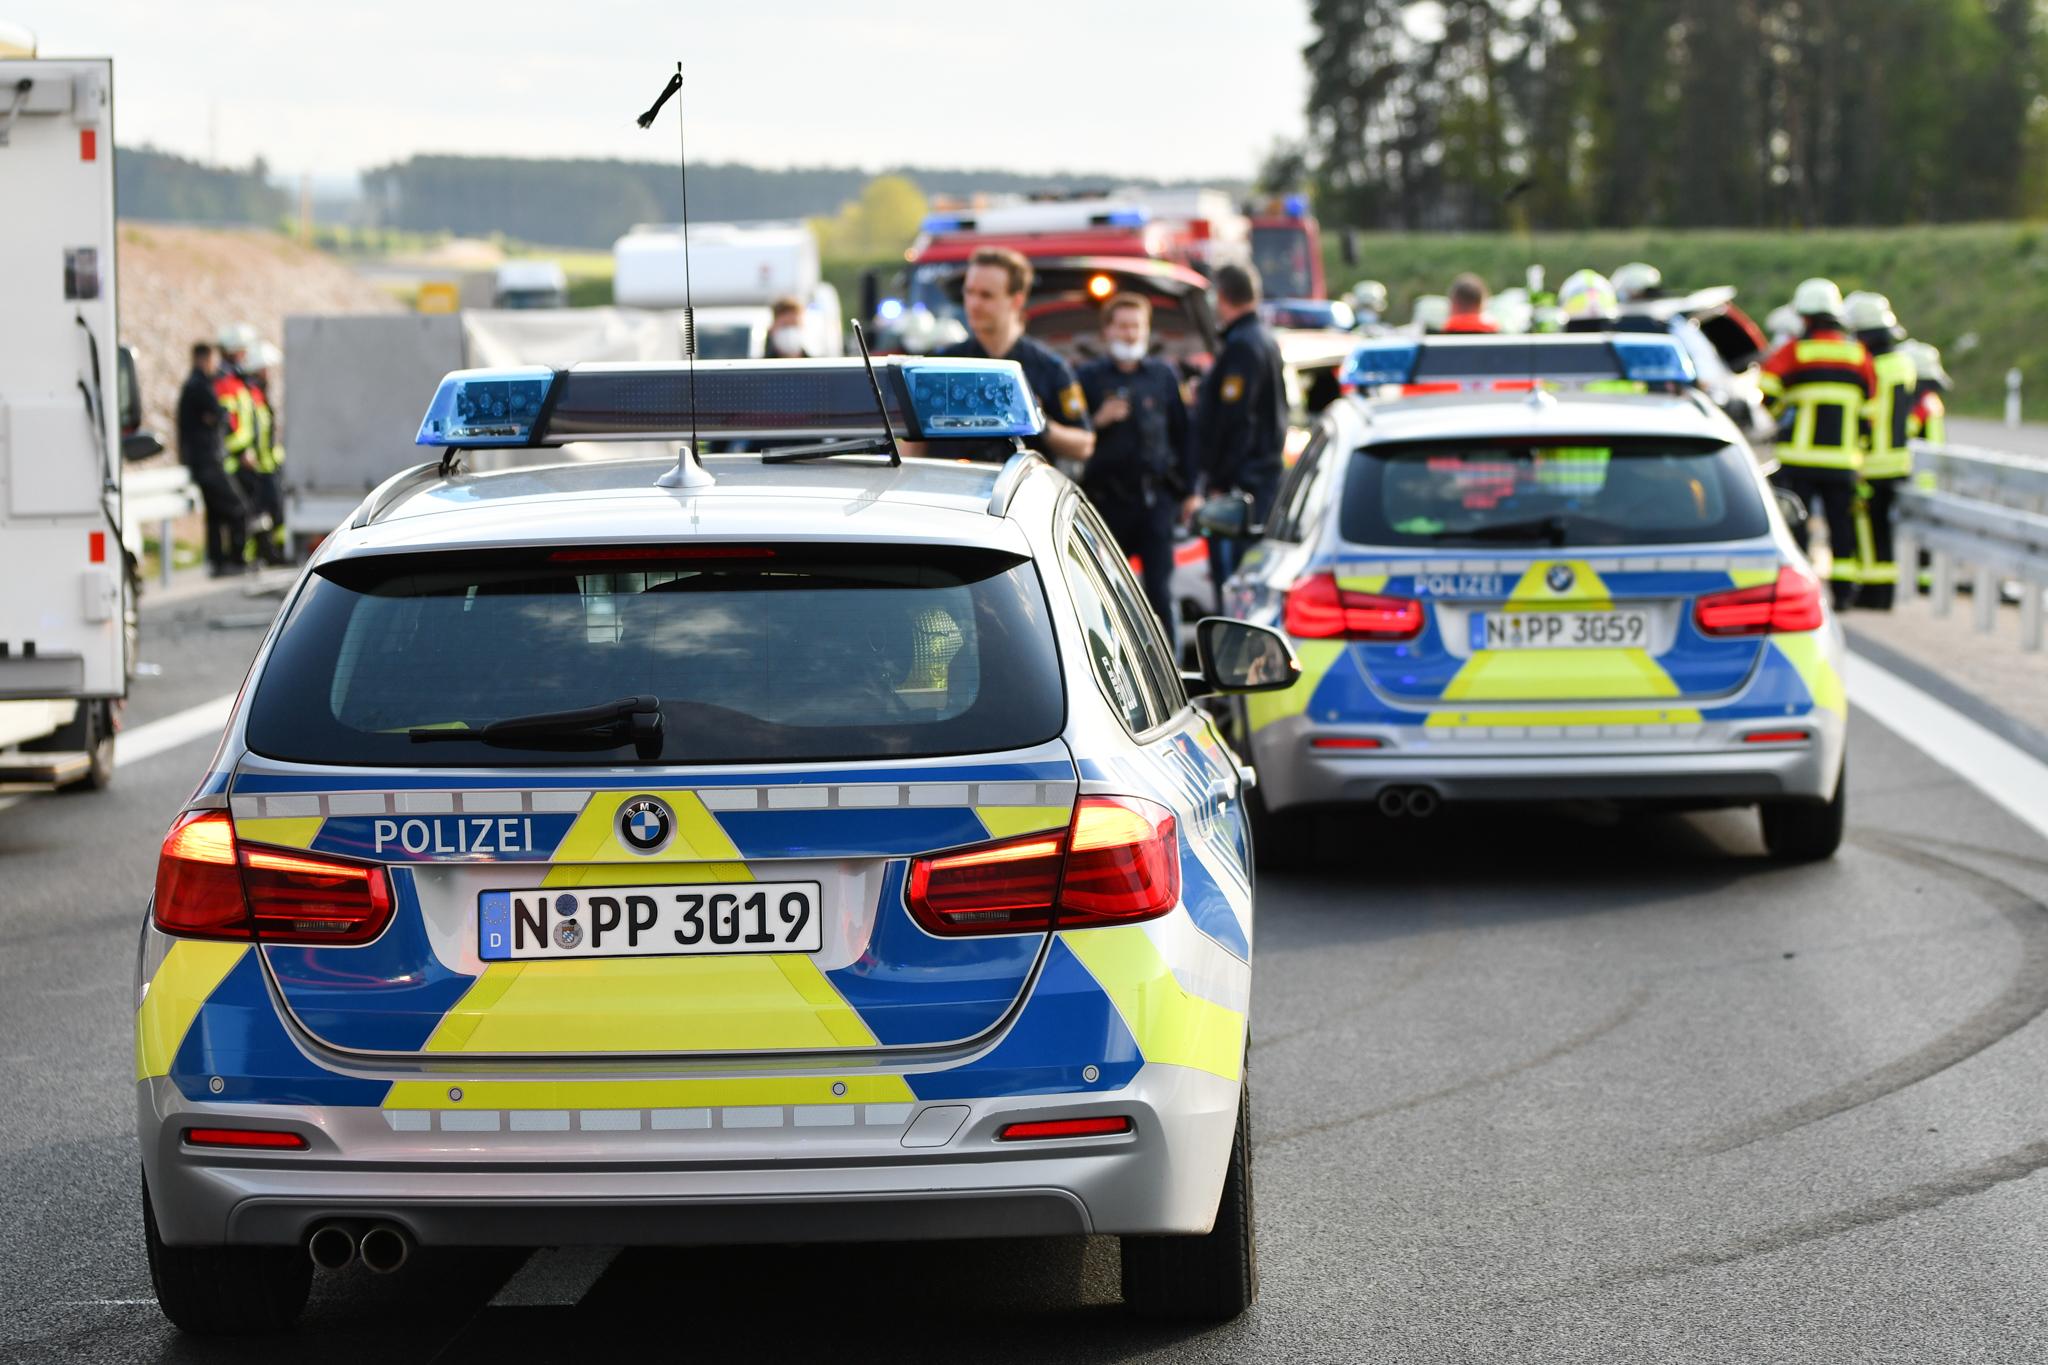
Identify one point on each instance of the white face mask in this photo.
(1128, 352)
(787, 340)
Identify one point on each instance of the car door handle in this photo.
(1222, 789)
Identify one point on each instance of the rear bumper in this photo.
(1292, 774)
(613, 1177)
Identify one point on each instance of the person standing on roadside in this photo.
(202, 450)
(1143, 465)
(1468, 306)
(997, 282)
(1241, 410)
(786, 329)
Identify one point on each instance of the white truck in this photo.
(67, 609)
(531, 284)
(734, 272)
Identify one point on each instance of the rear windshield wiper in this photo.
(858, 445)
(604, 726)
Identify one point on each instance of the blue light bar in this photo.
(487, 407)
(940, 222)
(1127, 218)
(1295, 206)
(1379, 362)
(960, 398)
(1654, 360)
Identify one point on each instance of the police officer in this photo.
(1241, 409)
(1817, 386)
(200, 449)
(998, 281)
(1887, 458)
(1143, 464)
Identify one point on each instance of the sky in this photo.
(1164, 88)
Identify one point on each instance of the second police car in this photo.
(786, 847)
(1538, 568)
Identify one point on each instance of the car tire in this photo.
(226, 1291)
(1213, 1277)
(1280, 843)
(1806, 831)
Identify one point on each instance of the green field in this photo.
(1979, 292)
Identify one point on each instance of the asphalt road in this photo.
(1527, 1086)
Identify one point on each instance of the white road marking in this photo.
(204, 721)
(2008, 775)
(555, 1277)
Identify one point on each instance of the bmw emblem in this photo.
(1559, 579)
(568, 933)
(646, 824)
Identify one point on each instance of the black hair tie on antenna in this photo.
(675, 83)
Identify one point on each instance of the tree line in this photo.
(590, 203)
(1487, 114)
(161, 187)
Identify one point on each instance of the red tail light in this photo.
(1118, 862)
(1777, 737)
(1317, 609)
(1790, 605)
(208, 886)
(1064, 1128)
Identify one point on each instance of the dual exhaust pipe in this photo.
(383, 1247)
(1415, 802)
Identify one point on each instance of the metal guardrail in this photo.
(160, 496)
(1988, 514)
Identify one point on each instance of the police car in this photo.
(801, 846)
(1537, 568)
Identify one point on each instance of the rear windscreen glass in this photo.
(770, 655)
(1569, 492)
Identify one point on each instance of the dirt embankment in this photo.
(181, 284)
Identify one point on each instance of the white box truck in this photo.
(66, 590)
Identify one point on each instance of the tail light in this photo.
(1317, 609)
(1038, 1130)
(260, 1139)
(1118, 862)
(209, 886)
(1789, 605)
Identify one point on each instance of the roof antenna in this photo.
(688, 473)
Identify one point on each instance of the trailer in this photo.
(66, 617)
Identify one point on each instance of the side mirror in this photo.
(1228, 517)
(1237, 656)
(1792, 508)
(140, 445)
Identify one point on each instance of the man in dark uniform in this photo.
(1143, 465)
(1241, 410)
(993, 293)
(202, 449)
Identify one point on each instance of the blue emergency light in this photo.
(1380, 362)
(1654, 360)
(1295, 206)
(927, 399)
(477, 408)
(957, 398)
(1126, 218)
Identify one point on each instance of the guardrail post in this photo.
(2012, 397)
(163, 552)
(1984, 600)
(2030, 614)
(1944, 582)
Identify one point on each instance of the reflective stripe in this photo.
(1170, 1025)
(720, 1092)
(172, 999)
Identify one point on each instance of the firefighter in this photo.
(1929, 419)
(1468, 306)
(238, 430)
(201, 423)
(1241, 410)
(1817, 386)
(264, 463)
(1887, 459)
(1587, 298)
(1638, 282)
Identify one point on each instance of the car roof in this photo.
(1453, 416)
(617, 501)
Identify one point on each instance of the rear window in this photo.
(769, 655)
(1568, 492)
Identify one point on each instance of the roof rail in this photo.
(1016, 469)
(400, 485)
